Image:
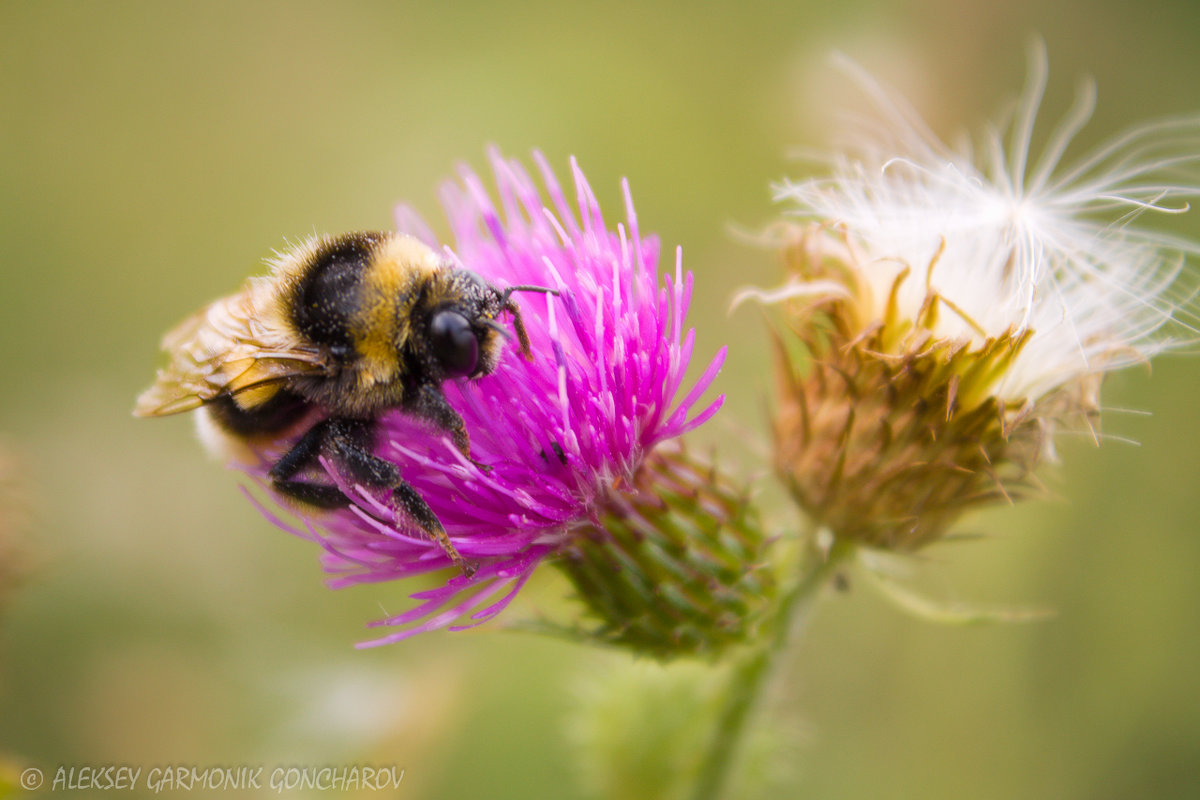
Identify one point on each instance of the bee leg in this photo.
(301, 455)
(419, 511)
(350, 441)
(431, 405)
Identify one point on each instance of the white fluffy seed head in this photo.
(1052, 246)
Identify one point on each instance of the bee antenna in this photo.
(508, 305)
(543, 289)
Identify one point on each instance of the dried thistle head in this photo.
(943, 318)
(885, 432)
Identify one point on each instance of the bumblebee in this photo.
(343, 329)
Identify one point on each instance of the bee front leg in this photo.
(351, 442)
(430, 404)
(406, 497)
(348, 443)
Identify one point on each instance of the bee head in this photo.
(464, 336)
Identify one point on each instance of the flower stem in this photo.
(749, 678)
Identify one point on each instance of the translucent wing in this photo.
(236, 345)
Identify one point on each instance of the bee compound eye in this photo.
(454, 343)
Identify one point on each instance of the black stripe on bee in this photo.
(328, 294)
(280, 411)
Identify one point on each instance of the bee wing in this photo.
(234, 345)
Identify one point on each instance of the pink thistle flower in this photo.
(560, 432)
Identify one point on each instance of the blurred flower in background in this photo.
(13, 568)
(947, 313)
(637, 729)
(569, 435)
(13, 521)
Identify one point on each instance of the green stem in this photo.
(749, 678)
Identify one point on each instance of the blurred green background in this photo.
(153, 152)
